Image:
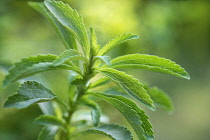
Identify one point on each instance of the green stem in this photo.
(81, 91)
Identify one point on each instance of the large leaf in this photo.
(29, 93)
(96, 111)
(93, 42)
(151, 63)
(48, 133)
(35, 64)
(66, 36)
(49, 120)
(134, 115)
(69, 55)
(130, 84)
(160, 98)
(115, 132)
(116, 41)
(71, 20)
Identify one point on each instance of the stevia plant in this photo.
(84, 59)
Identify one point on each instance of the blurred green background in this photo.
(174, 29)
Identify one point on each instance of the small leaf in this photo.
(96, 111)
(105, 59)
(93, 42)
(49, 120)
(66, 36)
(29, 93)
(134, 115)
(130, 84)
(99, 82)
(84, 115)
(69, 55)
(151, 63)
(35, 64)
(48, 133)
(160, 98)
(116, 41)
(69, 18)
(115, 132)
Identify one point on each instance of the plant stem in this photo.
(81, 91)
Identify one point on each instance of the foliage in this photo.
(84, 60)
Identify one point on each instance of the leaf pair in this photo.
(134, 115)
(160, 98)
(130, 84)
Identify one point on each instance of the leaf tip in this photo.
(152, 107)
(185, 75)
(135, 36)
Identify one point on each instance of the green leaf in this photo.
(160, 98)
(49, 120)
(48, 133)
(99, 82)
(115, 132)
(71, 20)
(93, 42)
(29, 93)
(35, 64)
(105, 59)
(96, 111)
(151, 63)
(66, 36)
(84, 115)
(69, 55)
(116, 41)
(130, 84)
(134, 115)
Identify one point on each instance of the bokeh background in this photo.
(174, 29)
